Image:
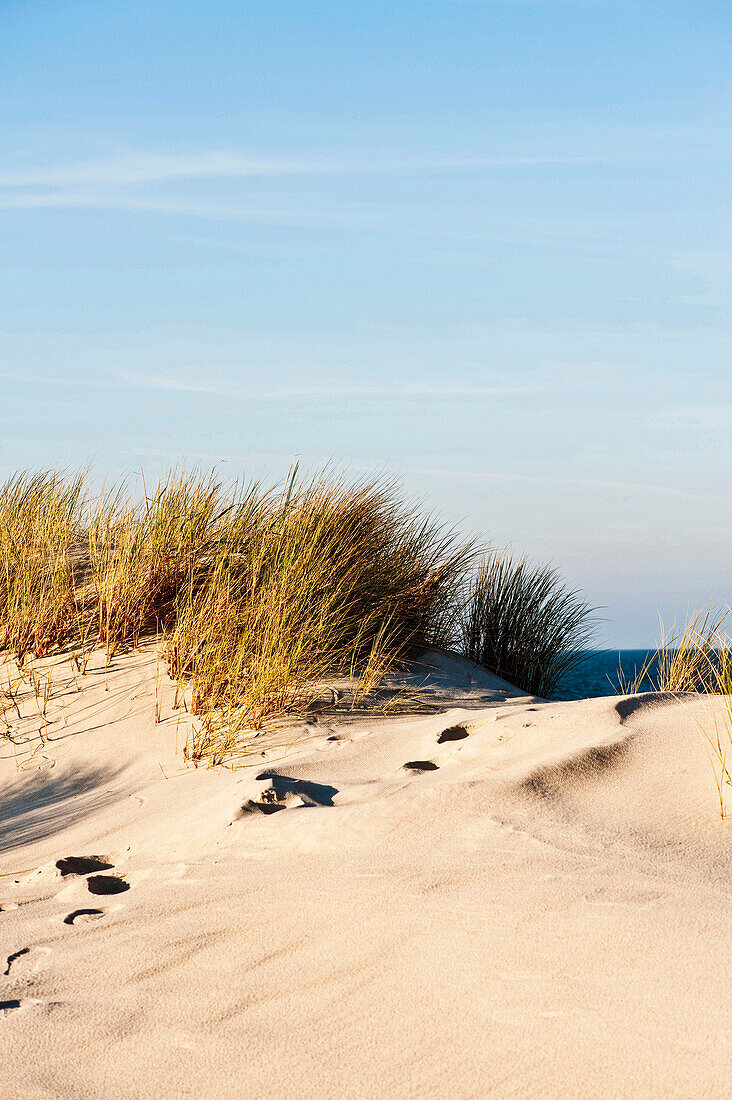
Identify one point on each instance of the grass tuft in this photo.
(40, 534)
(697, 658)
(265, 597)
(322, 579)
(684, 660)
(523, 624)
(142, 552)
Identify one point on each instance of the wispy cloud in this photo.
(438, 472)
(141, 182)
(143, 168)
(155, 183)
(697, 425)
(379, 393)
(244, 392)
(111, 200)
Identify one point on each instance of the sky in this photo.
(484, 246)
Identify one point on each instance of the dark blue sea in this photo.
(600, 673)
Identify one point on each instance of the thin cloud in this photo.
(382, 393)
(691, 416)
(137, 183)
(145, 168)
(544, 479)
(90, 200)
(281, 393)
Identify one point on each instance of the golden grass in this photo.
(697, 658)
(719, 738)
(40, 530)
(323, 579)
(142, 552)
(263, 597)
(522, 623)
(682, 662)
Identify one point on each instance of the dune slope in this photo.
(509, 898)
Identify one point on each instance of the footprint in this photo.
(83, 865)
(107, 884)
(267, 804)
(11, 959)
(83, 915)
(284, 786)
(454, 733)
(7, 1006)
(421, 766)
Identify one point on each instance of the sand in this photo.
(508, 898)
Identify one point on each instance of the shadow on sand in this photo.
(37, 806)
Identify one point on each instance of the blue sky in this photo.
(483, 245)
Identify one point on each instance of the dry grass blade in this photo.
(717, 649)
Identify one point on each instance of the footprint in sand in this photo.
(83, 865)
(454, 733)
(268, 803)
(99, 884)
(285, 791)
(107, 884)
(421, 766)
(11, 959)
(26, 954)
(83, 916)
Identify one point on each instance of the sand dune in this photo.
(508, 898)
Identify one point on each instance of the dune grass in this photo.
(262, 598)
(41, 532)
(522, 623)
(684, 660)
(324, 579)
(697, 658)
(719, 734)
(142, 552)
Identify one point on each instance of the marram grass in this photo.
(684, 659)
(142, 552)
(262, 597)
(698, 658)
(41, 539)
(521, 622)
(319, 580)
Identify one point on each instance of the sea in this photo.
(602, 671)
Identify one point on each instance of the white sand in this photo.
(545, 914)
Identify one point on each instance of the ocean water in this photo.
(600, 673)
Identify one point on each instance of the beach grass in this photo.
(141, 552)
(697, 658)
(261, 597)
(684, 659)
(322, 579)
(524, 624)
(41, 540)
